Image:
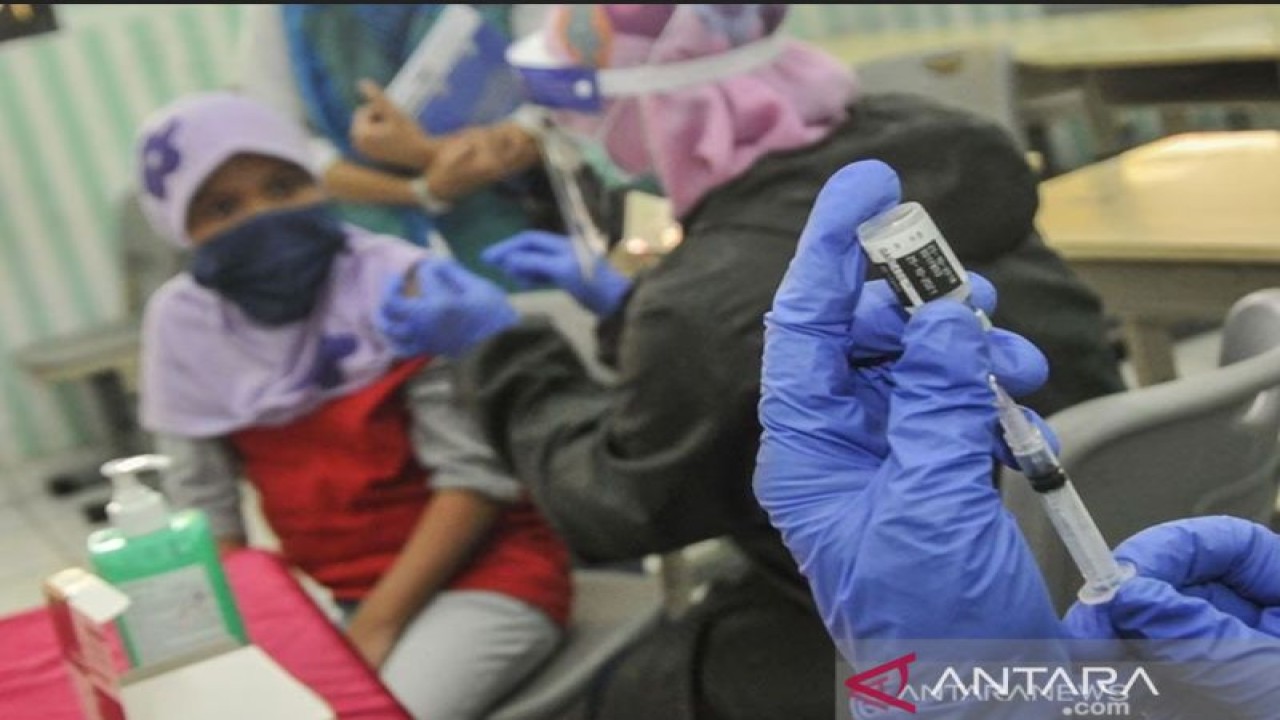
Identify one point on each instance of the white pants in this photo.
(465, 651)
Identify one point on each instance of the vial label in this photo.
(891, 273)
(925, 273)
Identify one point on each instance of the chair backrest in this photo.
(1198, 445)
(612, 612)
(1251, 328)
(979, 78)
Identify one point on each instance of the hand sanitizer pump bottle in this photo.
(167, 563)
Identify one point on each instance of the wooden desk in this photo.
(1175, 230)
(1109, 39)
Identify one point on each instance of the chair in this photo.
(985, 79)
(981, 79)
(1205, 444)
(612, 610)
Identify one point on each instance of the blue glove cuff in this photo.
(606, 291)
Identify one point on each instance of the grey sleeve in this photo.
(204, 476)
(449, 443)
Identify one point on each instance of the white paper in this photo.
(244, 684)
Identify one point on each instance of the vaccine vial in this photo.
(907, 247)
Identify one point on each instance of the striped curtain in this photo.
(69, 104)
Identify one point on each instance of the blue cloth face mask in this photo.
(275, 265)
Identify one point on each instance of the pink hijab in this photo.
(698, 138)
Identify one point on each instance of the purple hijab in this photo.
(208, 369)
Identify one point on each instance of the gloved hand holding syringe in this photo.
(562, 163)
(909, 249)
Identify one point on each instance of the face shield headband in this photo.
(552, 84)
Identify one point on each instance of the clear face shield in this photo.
(594, 117)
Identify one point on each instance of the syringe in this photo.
(1038, 463)
(562, 163)
(909, 249)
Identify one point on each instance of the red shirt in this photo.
(342, 490)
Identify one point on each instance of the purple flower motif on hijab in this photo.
(160, 158)
(326, 373)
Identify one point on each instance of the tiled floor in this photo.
(40, 534)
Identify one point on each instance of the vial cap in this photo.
(893, 221)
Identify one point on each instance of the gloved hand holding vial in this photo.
(876, 457)
(880, 424)
(906, 245)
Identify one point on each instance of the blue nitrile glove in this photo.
(876, 461)
(451, 311)
(1206, 601)
(535, 257)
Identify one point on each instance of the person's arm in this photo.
(462, 163)
(383, 133)
(657, 460)
(451, 528)
(471, 489)
(453, 165)
(348, 180)
(448, 442)
(203, 475)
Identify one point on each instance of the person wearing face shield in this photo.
(262, 361)
(462, 172)
(741, 126)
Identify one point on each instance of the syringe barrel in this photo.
(1102, 574)
(1037, 464)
